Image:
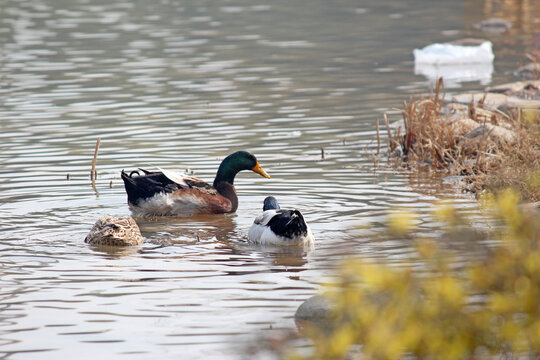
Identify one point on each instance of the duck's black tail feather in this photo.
(288, 223)
(146, 186)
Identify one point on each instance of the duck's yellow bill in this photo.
(259, 170)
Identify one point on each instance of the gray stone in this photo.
(463, 126)
(530, 71)
(494, 25)
(314, 310)
(486, 137)
(515, 87)
(496, 101)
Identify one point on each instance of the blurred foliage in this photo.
(401, 222)
(485, 309)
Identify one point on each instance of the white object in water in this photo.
(455, 63)
(454, 54)
(455, 74)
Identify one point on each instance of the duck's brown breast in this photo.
(203, 202)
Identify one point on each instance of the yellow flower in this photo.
(402, 222)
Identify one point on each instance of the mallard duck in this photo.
(114, 231)
(167, 193)
(276, 226)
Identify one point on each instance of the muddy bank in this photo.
(490, 139)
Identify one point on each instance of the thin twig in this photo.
(93, 172)
(390, 138)
(378, 137)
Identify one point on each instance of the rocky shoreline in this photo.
(481, 136)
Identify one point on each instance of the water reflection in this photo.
(114, 252)
(454, 75)
(167, 230)
(291, 257)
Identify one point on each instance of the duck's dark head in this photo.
(270, 203)
(236, 162)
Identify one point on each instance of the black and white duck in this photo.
(276, 226)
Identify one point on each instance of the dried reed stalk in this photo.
(378, 137)
(391, 144)
(432, 139)
(93, 172)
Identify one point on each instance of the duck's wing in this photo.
(176, 177)
(265, 217)
(259, 227)
(154, 182)
(188, 182)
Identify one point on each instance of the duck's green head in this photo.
(236, 162)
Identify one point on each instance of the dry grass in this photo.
(491, 160)
(516, 166)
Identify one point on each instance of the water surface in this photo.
(180, 85)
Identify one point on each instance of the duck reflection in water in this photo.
(166, 230)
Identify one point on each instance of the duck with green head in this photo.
(167, 193)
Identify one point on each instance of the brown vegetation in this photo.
(494, 147)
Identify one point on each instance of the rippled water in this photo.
(180, 85)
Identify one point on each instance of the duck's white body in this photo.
(280, 227)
